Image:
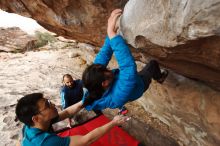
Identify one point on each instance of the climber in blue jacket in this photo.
(106, 88)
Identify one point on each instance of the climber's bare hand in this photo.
(112, 28)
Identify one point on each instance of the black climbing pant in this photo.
(150, 71)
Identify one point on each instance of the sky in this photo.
(10, 20)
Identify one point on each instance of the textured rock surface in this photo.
(190, 109)
(15, 40)
(183, 35)
(171, 22)
(84, 20)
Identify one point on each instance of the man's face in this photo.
(67, 81)
(46, 110)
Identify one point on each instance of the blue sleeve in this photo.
(126, 82)
(63, 98)
(123, 56)
(85, 94)
(105, 54)
(55, 140)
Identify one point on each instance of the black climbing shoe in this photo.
(163, 77)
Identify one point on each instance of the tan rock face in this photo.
(182, 35)
(83, 20)
(190, 109)
(170, 23)
(15, 40)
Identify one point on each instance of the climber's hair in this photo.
(92, 78)
(27, 107)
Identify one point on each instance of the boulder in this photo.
(15, 40)
(183, 35)
(191, 110)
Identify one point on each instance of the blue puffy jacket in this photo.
(127, 84)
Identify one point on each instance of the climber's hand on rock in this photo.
(112, 28)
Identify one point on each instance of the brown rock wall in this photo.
(15, 40)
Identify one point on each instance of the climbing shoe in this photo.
(163, 77)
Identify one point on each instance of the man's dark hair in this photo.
(27, 107)
(92, 78)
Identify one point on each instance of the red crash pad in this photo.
(116, 137)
